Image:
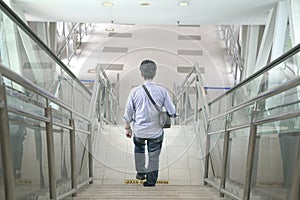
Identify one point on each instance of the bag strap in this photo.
(150, 97)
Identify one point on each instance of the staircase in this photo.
(98, 191)
(180, 173)
(180, 162)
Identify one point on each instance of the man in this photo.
(146, 128)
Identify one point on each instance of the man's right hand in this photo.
(128, 133)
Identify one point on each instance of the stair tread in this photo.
(98, 191)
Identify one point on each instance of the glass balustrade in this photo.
(261, 116)
(36, 81)
(258, 117)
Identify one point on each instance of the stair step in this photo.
(98, 191)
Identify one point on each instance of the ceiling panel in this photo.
(157, 13)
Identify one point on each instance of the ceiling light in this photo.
(107, 4)
(145, 4)
(92, 71)
(183, 4)
(110, 29)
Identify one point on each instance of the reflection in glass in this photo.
(62, 160)
(275, 164)
(241, 116)
(236, 165)
(216, 154)
(82, 157)
(28, 143)
(217, 124)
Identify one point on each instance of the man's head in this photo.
(148, 69)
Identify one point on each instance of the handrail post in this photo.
(7, 163)
(50, 153)
(225, 155)
(73, 157)
(295, 193)
(206, 160)
(90, 150)
(250, 155)
(186, 105)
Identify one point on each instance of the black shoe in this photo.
(146, 184)
(140, 177)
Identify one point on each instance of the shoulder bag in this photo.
(164, 117)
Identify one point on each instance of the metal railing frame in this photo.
(75, 33)
(24, 27)
(254, 122)
(108, 103)
(234, 52)
(203, 107)
(47, 119)
(5, 140)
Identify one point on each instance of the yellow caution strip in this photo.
(137, 182)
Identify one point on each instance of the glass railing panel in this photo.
(78, 100)
(62, 160)
(187, 103)
(200, 127)
(56, 85)
(24, 56)
(269, 149)
(282, 103)
(86, 102)
(81, 124)
(60, 115)
(216, 154)
(247, 91)
(192, 100)
(27, 57)
(2, 195)
(276, 159)
(67, 89)
(218, 107)
(288, 126)
(235, 177)
(24, 99)
(23, 53)
(241, 116)
(81, 157)
(283, 72)
(29, 153)
(217, 124)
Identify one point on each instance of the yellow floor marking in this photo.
(134, 181)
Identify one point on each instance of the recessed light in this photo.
(107, 4)
(92, 71)
(145, 4)
(110, 29)
(183, 4)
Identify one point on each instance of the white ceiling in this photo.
(158, 12)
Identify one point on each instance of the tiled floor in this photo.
(180, 160)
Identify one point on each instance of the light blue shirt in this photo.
(140, 110)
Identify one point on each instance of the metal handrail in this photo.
(253, 123)
(63, 43)
(22, 25)
(269, 66)
(49, 126)
(42, 92)
(187, 82)
(233, 50)
(102, 79)
(262, 96)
